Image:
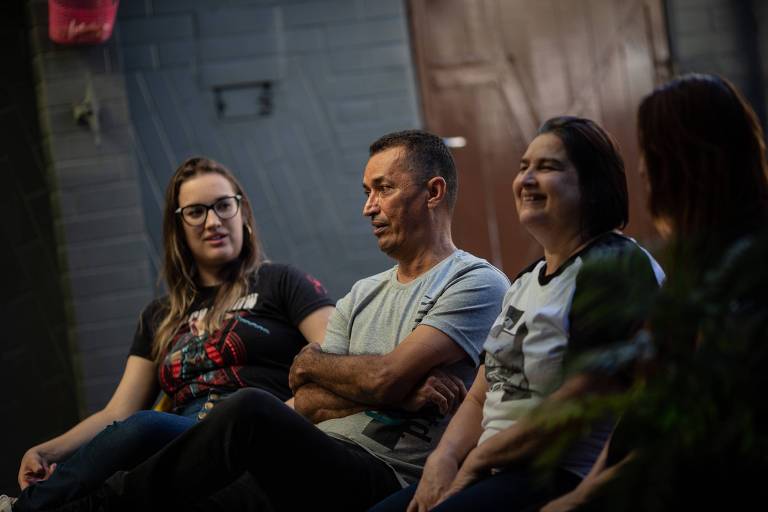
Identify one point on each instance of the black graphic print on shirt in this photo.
(388, 428)
(506, 369)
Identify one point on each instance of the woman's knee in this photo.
(147, 424)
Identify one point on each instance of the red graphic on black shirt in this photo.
(198, 362)
(319, 289)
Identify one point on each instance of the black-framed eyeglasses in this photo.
(197, 214)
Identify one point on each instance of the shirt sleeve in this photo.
(467, 308)
(144, 336)
(612, 299)
(337, 333)
(301, 294)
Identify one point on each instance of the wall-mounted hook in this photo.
(87, 113)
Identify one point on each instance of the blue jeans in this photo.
(510, 490)
(120, 446)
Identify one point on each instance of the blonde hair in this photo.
(180, 270)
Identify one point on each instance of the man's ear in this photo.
(436, 189)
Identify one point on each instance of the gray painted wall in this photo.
(725, 37)
(96, 208)
(341, 75)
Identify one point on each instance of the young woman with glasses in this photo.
(230, 320)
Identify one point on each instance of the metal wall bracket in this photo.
(244, 100)
(87, 113)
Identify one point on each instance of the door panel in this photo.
(493, 70)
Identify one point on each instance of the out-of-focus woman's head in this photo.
(600, 168)
(704, 157)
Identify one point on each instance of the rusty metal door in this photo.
(492, 71)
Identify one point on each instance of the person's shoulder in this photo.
(614, 245)
(272, 275)
(269, 269)
(153, 313)
(272, 272)
(374, 280)
(611, 244)
(528, 271)
(156, 306)
(622, 254)
(464, 263)
(366, 286)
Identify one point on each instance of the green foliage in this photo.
(696, 415)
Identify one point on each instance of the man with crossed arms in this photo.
(397, 355)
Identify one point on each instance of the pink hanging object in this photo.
(81, 21)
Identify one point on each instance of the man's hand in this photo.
(34, 468)
(443, 389)
(437, 477)
(297, 377)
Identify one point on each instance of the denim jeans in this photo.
(295, 464)
(120, 446)
(513, 489)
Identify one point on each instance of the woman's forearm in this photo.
(465, 428)
(63, 446)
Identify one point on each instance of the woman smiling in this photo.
(571, 196)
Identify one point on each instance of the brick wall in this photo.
(38, 378)
(98, 219)
(340, 75)
(724, 37)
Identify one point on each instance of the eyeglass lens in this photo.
(225, 208)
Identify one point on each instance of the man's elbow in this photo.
(302, 406)
(311, 412)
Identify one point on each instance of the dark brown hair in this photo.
(179, 268)
(598, 163)
(425, 155)
(704, 155)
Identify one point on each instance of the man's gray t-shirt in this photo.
(460, 296)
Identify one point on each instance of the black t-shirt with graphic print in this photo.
(255, 346)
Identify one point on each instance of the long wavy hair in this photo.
(180, 271)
